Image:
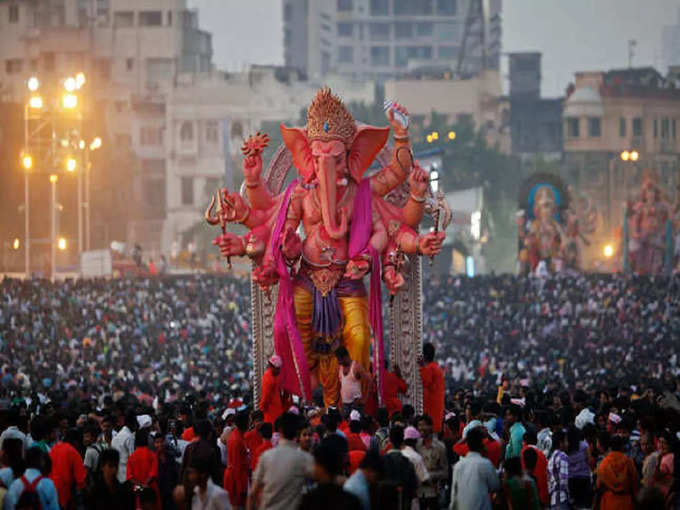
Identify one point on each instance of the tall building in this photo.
(535, 122)
(670, 44)
(386, 39)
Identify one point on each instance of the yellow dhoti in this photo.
(356, 337)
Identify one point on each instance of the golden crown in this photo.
(328, 119)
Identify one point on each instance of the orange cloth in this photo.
(355, 443)
(355, 458)
(271, 403)
(433, 394)
(142, 466)
(255, 457)
(618, 478)
(236, 474)
(67, 470)
(189, 435)
(540, 474)
(253, 440)
(393, 385)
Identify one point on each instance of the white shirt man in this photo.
(213, 497)
(124, 442)
(474, 477)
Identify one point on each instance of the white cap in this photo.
(354, 415)
(230, 411)
(144, 421)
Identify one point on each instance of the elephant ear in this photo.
(297, 143)
(366, 145)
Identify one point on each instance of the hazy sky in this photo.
(573, 35)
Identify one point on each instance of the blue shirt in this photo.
(514, 448)
(45, 489)
(358, 485)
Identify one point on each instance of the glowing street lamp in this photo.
(429, 138)
(69, 101)
(435, 135)
(27, 161)
(96, 144)
(61, 243)
(16, 244)
(452, 135)
(54, 178)
(35, 102)
(81, 144)
(634, 155)
(70, 84)
(80, 80)
(71, 164)
(625, 156)
(33, 84)
(608, 250)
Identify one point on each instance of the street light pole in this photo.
(53, 236)
(27, 242)
(87, 199)
(80, 211)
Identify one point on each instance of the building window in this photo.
(448, 32)
(403, 30)
(380, 7)
(403, 54)
(573, 128)
(380, 55)
(424, 29)
(186, 132)
(622, 127)
(345, 54)
(345, 5)
(14, 14)
(412, 8)
(187, 190)
(379, 31)
(656, 128)
(103, 67)
(211, 132)
(123, 19)
(447, 52)
(665, 132)
(13, 65)
(594, 127)
(673, 128)
(150, 18)
(169, 18)
(447, 7)
(345, 29)
(637, 126)
(129, 63)
(150, 135)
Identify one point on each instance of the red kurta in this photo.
(433, 394)
(492, 450)
(355, 443)
(271, 403)
(393, 385)
(540, 474)
(255, 457)
(142, 466)
(67, 470)
(236, 474)
(253, 440)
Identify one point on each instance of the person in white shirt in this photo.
(408, 450)
(124, 442)
(207, 495)
(474, 477)
(13, 431)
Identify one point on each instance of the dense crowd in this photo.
(560, 393)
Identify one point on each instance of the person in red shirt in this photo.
(236, 474)
(540, 470)
(393, 385)
(433, 387)
(67, 468)
(142, 465)
(271, 402)
(253, 438)
(492, 448)
(266, 430)
(354, 441)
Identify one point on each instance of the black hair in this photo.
(372, 461)
(397, 436)
(428, 352)
(257, 415)
(426, 418)
(13, 453)
(288, 425)
(513, 466)
(329, 457)
(475, 408)
(475, 439)
(617, 443)
(355, 426)
(341, 352)
(530, 458)
(266, 430)
(241, 421)
(383, 417)
(530, 436)
(203, 428)
(142, 438)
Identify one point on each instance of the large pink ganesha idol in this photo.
(349, 230)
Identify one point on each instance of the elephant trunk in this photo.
(328, 198)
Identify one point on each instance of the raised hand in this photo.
(252, 150)
(396, 125)
(431, 244)
(418, 180)
(230, 244)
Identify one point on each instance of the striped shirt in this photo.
(558, 478)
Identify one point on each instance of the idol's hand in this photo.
(418, 181)
(431, 244)
(357, 268)
(291, 246)
(230, 244)
(394, 280)
(397, 128)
